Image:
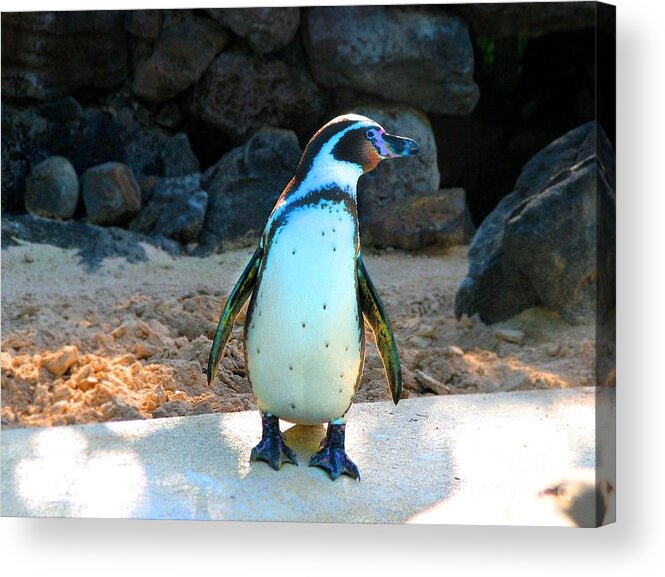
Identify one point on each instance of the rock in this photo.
(20, 131)
(176, 209)
(170, 116)
(96, 136)
(431, 383)
(538, 246)
(264, 29)
(47, 55)
(402, 177)
(453, 351)
(439, 219)
(110, 193)
(530, 20)
(52, 189)
(381, 50)
(144, 24)
(510, 336)
(58, 363)
(241, 93)
(66, 109)
(183, 220)
(184, 50)
(516, 381)
(118, 410)
(178, 157)
(420, 342)
(554, 349)
(244, 185)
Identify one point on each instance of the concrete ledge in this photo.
(475, 449)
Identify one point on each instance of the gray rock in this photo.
(110, 193)
(244, 185)
(93, 138)
(66, 109)
(183, 219)
(420, 56)
(170, 189)
(143, 24)
(178, 158)
(513, 336)
(47, 55)
(539, 245)
(437, 219)
(400, 178)
(242, 92)
(20, 132)
(184, 50)
(52, 189)
(528, 19)
(170, 116)
(264, 29)
(175, 209)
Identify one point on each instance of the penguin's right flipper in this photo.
(237, 298)
(377, 317)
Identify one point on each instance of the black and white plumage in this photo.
(304, 330)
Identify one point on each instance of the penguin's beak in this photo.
(397, 146)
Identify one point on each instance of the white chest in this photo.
(304, 330)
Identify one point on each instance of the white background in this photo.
(633, 546)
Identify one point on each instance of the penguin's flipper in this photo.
(377, 318)
(237, 298)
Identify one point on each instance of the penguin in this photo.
(304, 331)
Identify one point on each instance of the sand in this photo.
(131, 340)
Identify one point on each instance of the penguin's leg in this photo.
(332, 457)
(272, 449)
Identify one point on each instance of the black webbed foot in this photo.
(332, 457)
(272, 448)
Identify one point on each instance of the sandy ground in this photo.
(131, 341)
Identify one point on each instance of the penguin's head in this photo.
(356, 140)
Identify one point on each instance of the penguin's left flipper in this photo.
(242, 290)
(377, 318)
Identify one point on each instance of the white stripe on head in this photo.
(327, 171)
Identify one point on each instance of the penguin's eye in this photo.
(370, 134)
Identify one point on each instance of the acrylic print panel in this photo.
(338, 264)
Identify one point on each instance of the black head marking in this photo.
(316, 143)
(355, 147)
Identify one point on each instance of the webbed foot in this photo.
(272, 448)
(332, 457)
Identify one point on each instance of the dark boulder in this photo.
(47, 55)
(264, 29)
(20, 132)
(144, 24)
(176, 209)
(110, 193)
(184, 50)
(438, 219)
(540, 245)
(527, 18)
(242, 92)
(421, 56)
(170, 116)
(244, 185)
(65, 109)
(178, 158)
(52, 189)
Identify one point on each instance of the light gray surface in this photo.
(476, 449)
